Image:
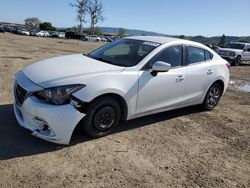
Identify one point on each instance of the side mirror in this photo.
(160, 66)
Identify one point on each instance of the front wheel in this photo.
(237, 61)
(212, 97)
(103, 116)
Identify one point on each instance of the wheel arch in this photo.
(121, 101)
(220, 82)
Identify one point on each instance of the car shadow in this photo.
(16, 141)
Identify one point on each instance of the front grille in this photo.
(20, 94)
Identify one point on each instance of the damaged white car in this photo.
(122, 80)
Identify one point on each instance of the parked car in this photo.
(33, 32)
(8, 28)
(42, 34)
(109, 39)
(236, 52)
(216, 48)
(93, 38)
(2, 29)
(129, 78)
(21, 31)
(56, 34)
(73, 35)
(103, 39)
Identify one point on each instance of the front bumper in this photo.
(229, 58)
(60, 120)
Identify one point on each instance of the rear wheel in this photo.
(212, 97)
(103, 116)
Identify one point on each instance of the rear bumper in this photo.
(49, 122)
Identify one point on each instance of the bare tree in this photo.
(81, 10)
(95, 10)
(32, 22)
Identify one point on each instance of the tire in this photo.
(212, 97)
(103, 116)
(237, 61)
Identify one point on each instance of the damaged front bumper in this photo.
(53, 123)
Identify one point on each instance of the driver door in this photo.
(164, 90)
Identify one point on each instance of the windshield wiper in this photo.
(103, 60)
(98, 58)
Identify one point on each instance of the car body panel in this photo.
(67, 70)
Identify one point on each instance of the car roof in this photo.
(156, 39)
(164, 40)
(239, 43)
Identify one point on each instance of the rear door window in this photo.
(194, 55)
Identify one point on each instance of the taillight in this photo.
(228, 65)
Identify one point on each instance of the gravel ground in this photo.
(180, 148)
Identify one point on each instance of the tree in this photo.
(95, 31)
(81, 10)
(95, 10)
(222, 41)
(121, 32)
(182, 37)
(47, 26)
(32, 22)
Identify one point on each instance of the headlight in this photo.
(232, 54)
(58, 95)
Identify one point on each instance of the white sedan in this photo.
(42, 34)
(123, 80)
(93, 38)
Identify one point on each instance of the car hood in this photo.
(64, 70)
(230, 50)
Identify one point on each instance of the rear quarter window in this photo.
(208, 55)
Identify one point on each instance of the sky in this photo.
(174, 17)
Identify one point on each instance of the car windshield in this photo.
(235, 46)
(123, 52)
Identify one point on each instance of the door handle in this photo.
(180, 78)
(210, 71)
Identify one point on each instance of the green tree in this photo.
(47, 26)
(32, 22)
(94, 31)
(122, 32)
(182, 37)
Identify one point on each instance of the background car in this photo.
(2, 29)
(56, 34)
(42, 34)
(103, 39)
(93, 38)
(22, 31)
(235, 52)
(73, 35)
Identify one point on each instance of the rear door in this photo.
(200, 72)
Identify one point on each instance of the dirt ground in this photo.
(181, 148)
